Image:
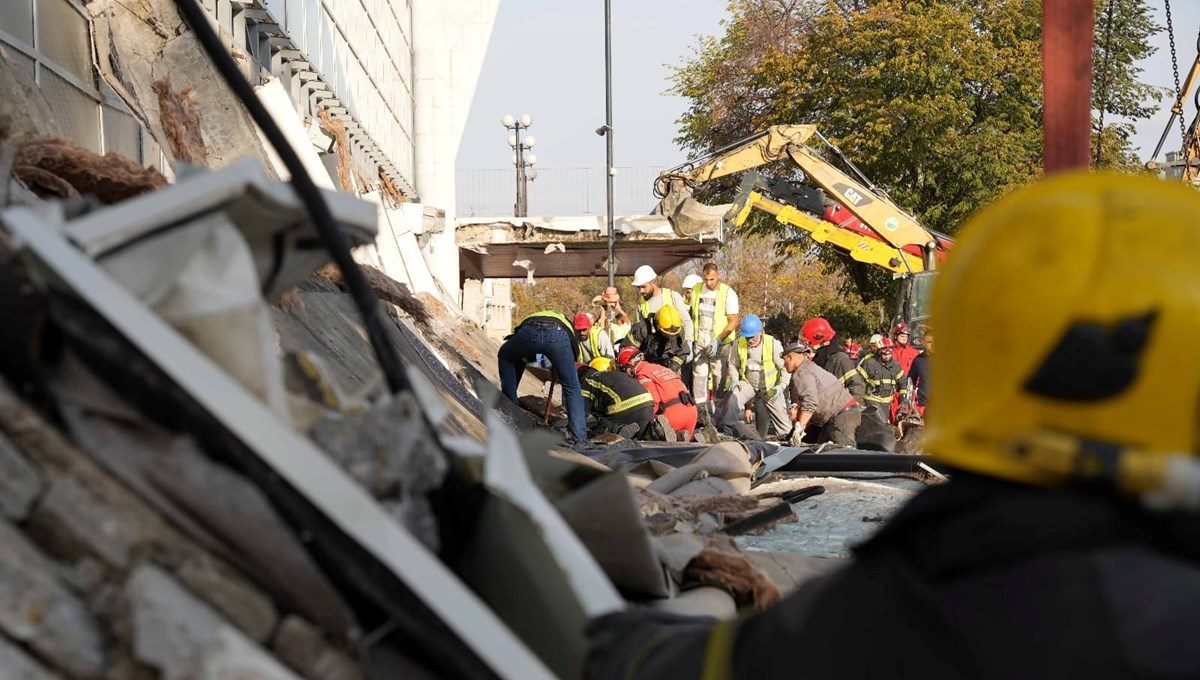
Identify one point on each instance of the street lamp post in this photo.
(523, 161)
(608, 134)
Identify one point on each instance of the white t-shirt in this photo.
(708, 308)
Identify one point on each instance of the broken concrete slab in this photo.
(15, 664)
(232, 656)
(38, 611)
(177, 634)
(72, 523)
(247, 608)
(20, 481)
(138, 44)
(301, 646)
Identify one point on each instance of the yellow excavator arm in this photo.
(858, 247)
(892, 224)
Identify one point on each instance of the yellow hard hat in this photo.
(669, 321)
(601, 364)
(1060, 314)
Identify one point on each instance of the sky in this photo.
(546, 58)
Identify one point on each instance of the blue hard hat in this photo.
(751, 326)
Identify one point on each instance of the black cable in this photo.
(331, 235)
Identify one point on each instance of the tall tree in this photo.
(938, 101)
(1123, 32)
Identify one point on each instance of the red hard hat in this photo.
(817, 331)
(900, 328)
(887, 343)
(629, 356)
(583, 322)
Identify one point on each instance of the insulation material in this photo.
(68, 170)
(180, 122)
(208, 290)
(341, 146)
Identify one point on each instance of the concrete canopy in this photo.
(559, 247)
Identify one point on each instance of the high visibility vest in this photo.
(770, 370)
(720, 319)
(567, 326)
(668, 298)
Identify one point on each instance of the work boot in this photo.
(664, 426)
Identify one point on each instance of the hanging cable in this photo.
(331, 235)
(1104, 77)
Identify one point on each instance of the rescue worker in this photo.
(818, 334)
(1065, 543)
(919, 378)
(659, 338)
(672, 401)
(854, 350)
(759, 377)
(550, 334)
(654, 298)
(689, 282)
(822, 409)
(715, 318)
(593, 339)
(609, 304)
(621, 404)
(884, 378)
(904, 352)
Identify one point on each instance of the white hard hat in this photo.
(643, 275)
(875, 340)
(691, 281)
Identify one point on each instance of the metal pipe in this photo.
(608, 135)
(1067, 84)
(772, 514)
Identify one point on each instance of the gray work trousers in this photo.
(741, 395)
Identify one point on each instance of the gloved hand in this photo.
(714, 349)
(797, 438)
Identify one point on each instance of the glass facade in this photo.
(48, 41)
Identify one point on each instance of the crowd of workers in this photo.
(687, 360)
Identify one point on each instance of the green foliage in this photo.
(938, 101)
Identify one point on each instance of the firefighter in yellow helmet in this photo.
(660, 337)
(1067, 541)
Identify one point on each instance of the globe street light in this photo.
(520, 159)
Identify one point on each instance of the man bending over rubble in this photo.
(1067, 542)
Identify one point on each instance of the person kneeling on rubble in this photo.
(659, 338)
(757, 373)
(1066, 543)
(674, 409)
(822, 409)
(551, 335)
(621, 404)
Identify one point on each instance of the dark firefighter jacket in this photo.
(664, 350)
(883, 379)
(976, 578)
(609, 393)
(832, 358)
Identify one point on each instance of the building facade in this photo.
(396, 77)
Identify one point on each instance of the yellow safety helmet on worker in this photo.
(669, 321)
(601, 364)
(1075, 294)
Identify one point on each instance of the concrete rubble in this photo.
(141, 538)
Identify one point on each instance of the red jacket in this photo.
(904, 355)
(665, 386)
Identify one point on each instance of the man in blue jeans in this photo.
(551, 335)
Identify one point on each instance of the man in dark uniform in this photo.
(621, 404)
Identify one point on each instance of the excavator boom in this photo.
(877, 212)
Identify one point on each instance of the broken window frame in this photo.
(104, 99)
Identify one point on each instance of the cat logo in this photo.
(852, 195)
